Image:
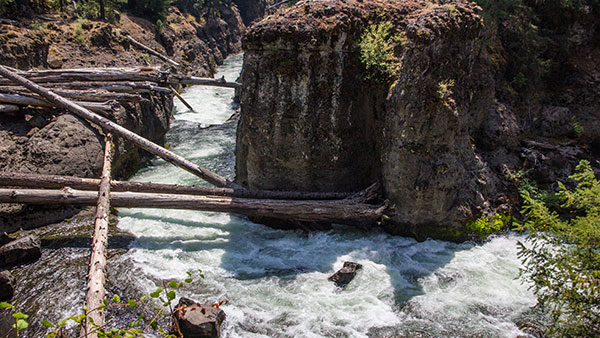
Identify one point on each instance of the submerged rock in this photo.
(197, 320)
(23, 250)
(7, 286)
(346, 274)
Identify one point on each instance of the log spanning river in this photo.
(276, 281)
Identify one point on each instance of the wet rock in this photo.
(23, 250)
(345, 275)
(198, 320)
(7, 286)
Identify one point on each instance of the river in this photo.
(276, 281)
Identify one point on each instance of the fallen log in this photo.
(97, 271)
(200, 81)
(151, 51)
(57, 182)
(181, 99)
(93, 74)
(89, 95)
(149, 74)
(339, 211)
(8, 108)
(110, 126)
(115, 86)
(23, 100)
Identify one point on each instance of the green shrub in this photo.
(561, 255)
(149, 9)
(377, 51)
(486, 226)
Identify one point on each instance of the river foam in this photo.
(276, 281)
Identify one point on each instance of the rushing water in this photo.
(276, 281)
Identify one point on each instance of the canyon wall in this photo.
(435, 135)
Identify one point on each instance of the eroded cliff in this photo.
(434, 132)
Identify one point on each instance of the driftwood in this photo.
(93, 74)
(115, 86)
(339, 211)
(200, 81)
(26, 100)
(89, 95)
(151, 51)
(189, 106)
(110, 126)
(8, 108)
(118, 74)
(97, 272)
(57, 182)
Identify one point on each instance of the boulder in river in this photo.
(23, 250)
(197, 320)
(7, 286)
(345, 274)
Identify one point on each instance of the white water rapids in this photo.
(276, 281)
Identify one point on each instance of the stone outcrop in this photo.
(51, 142)
(197, 320)
(346, 274)
(310, 119)
(23, 250)
(7, 285)
(436, 134)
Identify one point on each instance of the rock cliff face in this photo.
(434, 133)
(51, 142)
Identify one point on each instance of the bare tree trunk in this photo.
(339, 211)
(110, 126)
(96, 276)
(151, 51)
(8, 108)
(181, 99)
(118, 74)
(57, 182)
(89, 95)
(105, 108)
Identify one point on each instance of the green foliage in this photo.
(166, 295)
(577, 128)
(377, 51)
(149, 9)
(444, 89)
(485, 226)
(561, 255)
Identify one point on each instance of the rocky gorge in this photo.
(441, 134)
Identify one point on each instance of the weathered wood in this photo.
(181, 98)
(26, 100)
(93, 74)
(8, 108)
(200, 81)
(88, 95)
(97, 271)
(149, 74)
(110, 126)
(339, 211)
(114, 86)
(151, 51)
(58, 182)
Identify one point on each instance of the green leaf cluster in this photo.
(377, 51)
(561, 255)
(166, 295)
